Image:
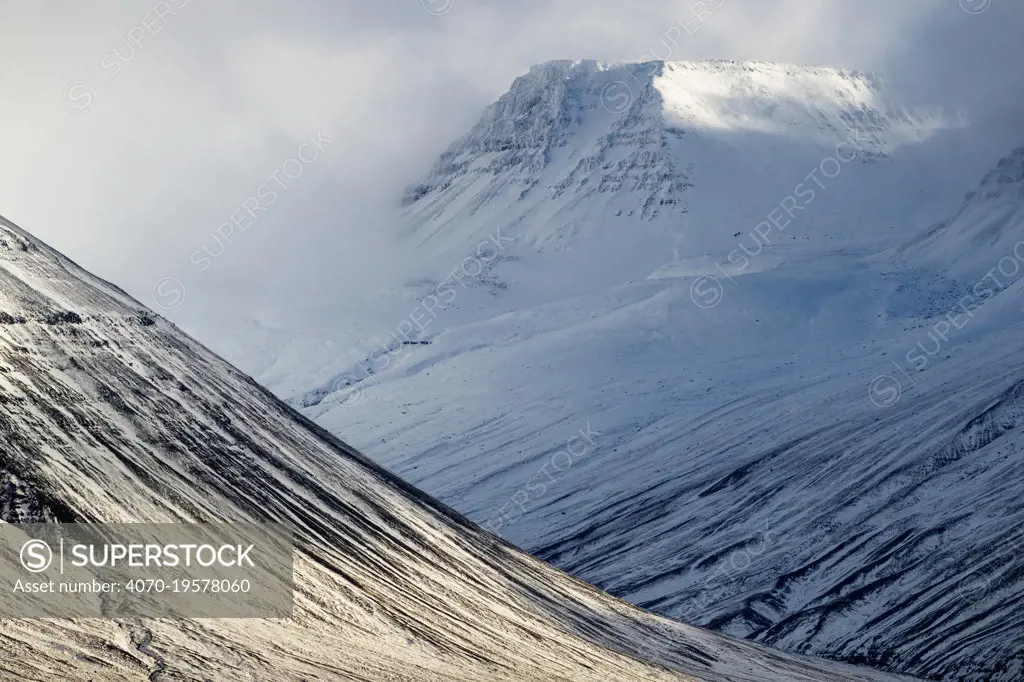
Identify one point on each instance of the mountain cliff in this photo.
(631, 165)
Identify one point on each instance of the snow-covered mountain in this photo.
(987, 225)
(631, 165)
(109, 413)
(808, 436)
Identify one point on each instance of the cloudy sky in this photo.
(132, 129)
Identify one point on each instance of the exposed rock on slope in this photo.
(109, 413)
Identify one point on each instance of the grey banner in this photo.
(148, 570)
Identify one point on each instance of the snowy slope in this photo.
(986, 226)
(796, 444)
(743, 479)
(108, 412)
(628, 166)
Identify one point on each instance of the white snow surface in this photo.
(109, 413)
(805, 424)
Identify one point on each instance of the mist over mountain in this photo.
(763, 285)
(572, 340)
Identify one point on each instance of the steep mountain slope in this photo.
(750, 474)
(108, 412)
(631, 165)
(987, 226)
(809, 442)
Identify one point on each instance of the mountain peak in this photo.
(542, 107)
(1006, 178)
(722, 94)
(578, 149)
(984, 231)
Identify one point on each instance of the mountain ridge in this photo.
(110, 413)
(632, 165)
(830, 374)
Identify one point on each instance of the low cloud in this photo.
(133, 131)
